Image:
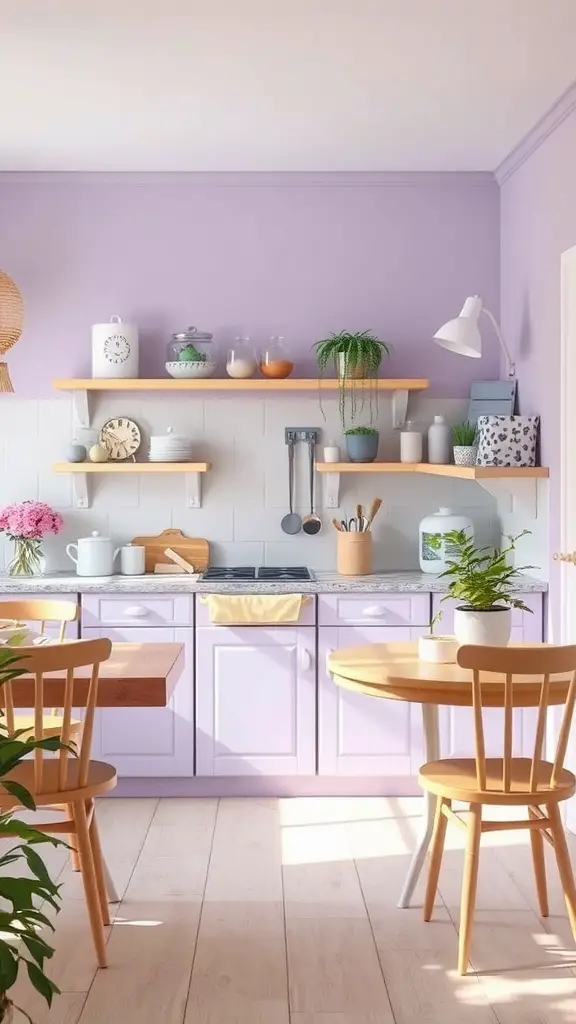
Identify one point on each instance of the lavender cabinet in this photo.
(456, 724)
(255, 700)
(149, 742)
(360, 735)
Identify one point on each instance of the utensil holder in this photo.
(354, 553)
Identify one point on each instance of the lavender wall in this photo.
(538, 222)
(286, 254)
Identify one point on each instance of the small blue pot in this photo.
(362, 447)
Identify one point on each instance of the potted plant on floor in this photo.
(20, 920)
(362, 443)
(356, 358)
(482, 581)
(464, 444)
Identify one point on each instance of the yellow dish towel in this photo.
(246, 609)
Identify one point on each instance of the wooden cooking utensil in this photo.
(337, 526)
(374, 508)
(194, 549)
(181, 562)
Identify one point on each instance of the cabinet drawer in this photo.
(137, 610)
(307, 617)
(374, 609)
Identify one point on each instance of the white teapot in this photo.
(95, 555)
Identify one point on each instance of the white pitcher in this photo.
(94, 555)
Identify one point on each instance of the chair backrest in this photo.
(540, 662)
(42, 612)
(64, 659)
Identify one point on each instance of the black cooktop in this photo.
(262, 572)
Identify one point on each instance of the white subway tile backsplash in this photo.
(246, 493)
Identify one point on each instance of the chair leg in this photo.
(469, 885)
(537, 844)
(99, 868)
(90, 884)
(437, 849)
(73, 842)
(563, 861)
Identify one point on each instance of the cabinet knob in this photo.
(374, 611)
(305, 660)
(561, 556)
(136, 611)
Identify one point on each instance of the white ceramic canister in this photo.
(115, 349)
(331, 452)
(439, 442)
(94, 556)
(132, 560)
(410, 444)
(433, 550)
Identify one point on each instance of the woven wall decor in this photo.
(11, 321)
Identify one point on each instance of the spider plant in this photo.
(356, 358)
(20, 920)
(464, 434)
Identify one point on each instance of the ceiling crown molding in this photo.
(537, 135)
(257, 179)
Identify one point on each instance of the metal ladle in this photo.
(291, 522)
(312, 524)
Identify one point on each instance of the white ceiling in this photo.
(277, 85)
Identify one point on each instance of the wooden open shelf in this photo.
(227, 384)
(131, 467)
(458, 472)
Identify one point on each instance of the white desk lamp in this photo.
(462, 334)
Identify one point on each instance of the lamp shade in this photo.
(461, 335)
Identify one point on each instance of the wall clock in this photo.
(121, 437)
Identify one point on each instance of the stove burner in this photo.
(235, 572)
(291, 572)
(263, 572)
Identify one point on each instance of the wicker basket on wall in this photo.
(11, 320)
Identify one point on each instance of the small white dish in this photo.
(440, 650)
(189, 369)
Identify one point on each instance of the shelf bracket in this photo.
(193, 484)
(518, 496)
(399, 408)
(80, 490)
(330, 490)
(81, 409)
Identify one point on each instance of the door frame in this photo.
(567, 575)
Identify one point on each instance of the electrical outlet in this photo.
(296, 434)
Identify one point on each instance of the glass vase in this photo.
(27, 559)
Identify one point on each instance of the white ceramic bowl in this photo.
(441, 650)
(189, 369)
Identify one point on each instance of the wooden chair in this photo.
(64, 781)
(534, 783)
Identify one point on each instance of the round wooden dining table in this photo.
(394, 671)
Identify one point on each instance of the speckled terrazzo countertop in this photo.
(409, 581)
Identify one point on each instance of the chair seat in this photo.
(455, 779)
(101, 778)
(51, 725)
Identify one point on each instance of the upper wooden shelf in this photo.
(227, 384)
(131, 467)
(460, 472)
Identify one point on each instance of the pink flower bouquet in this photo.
(25, 523)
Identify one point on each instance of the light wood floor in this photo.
(284, 912)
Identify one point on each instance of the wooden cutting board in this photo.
(194, 549)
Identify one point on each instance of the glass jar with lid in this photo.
(241, 360)
(275, 362)
(190, 354)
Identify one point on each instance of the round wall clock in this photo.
(121, 437)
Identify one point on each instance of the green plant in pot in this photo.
(482, 581)
(20, 918)
(464, 444)
(356, 358)
(362, 443)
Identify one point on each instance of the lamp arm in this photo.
(496, 326)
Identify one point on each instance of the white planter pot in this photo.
(441, 650)
(465, 455)
(489, 628)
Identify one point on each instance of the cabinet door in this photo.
(361, 735)
(255, 701)
(456, 724)
(149, 742)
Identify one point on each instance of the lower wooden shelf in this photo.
(80, 472)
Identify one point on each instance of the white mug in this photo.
(132, 560)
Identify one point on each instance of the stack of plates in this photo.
(170, 448)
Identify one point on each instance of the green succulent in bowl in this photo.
(190, 354)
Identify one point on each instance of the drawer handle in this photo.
(136, 611)
(375, 611)
(305, 660)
